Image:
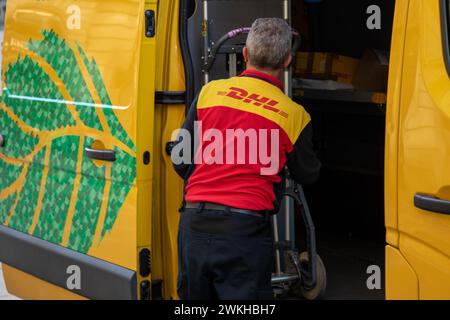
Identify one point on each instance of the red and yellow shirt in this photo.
(253, 103)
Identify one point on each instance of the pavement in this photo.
(4, 295)
(346, 260)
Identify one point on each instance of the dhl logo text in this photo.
(253, 98)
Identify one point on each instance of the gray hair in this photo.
(269, 42)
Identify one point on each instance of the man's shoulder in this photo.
(294, 116)
(291, 106)
(242, 88)
(216, 84)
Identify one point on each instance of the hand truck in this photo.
(302, 274)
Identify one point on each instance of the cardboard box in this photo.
(325, 66)
(344, 68)
(372, 72)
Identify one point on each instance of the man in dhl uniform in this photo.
(236, 139)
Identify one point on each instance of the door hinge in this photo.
(170, 97)
(150, 23)
(145, 263)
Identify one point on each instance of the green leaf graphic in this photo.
(58, 189)
(32, 96)
(5, 207)
(28, 198)
(12, 134)
(113, 122)
(10, 173)
(119, 190)
(60, 56)
(87, 207)
(26, 79)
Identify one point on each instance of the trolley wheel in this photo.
(319, 290)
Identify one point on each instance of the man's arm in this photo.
(183, 169)
(302, 162)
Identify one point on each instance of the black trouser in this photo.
(223, 255)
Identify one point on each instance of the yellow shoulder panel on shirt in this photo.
(258, 97)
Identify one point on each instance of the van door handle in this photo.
(433, 204)
(104, 155)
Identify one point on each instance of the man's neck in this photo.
(274, 73)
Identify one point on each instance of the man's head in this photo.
(268, 46)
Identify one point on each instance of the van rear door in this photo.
(75, 147)
(424, 149)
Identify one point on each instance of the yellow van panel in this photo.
(168, 118)
(424, 150)
(77, 67)
(431, 267)
(27, 287)
(61, 60)
(392, 120)
(401, 280)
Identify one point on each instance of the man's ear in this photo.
(245, 53)
(287, 61)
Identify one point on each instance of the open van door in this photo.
(76, 138)
(422, 268)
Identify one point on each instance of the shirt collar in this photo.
(263, 76)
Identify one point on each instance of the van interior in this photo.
(339, 75)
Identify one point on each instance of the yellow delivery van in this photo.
(92, 91)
